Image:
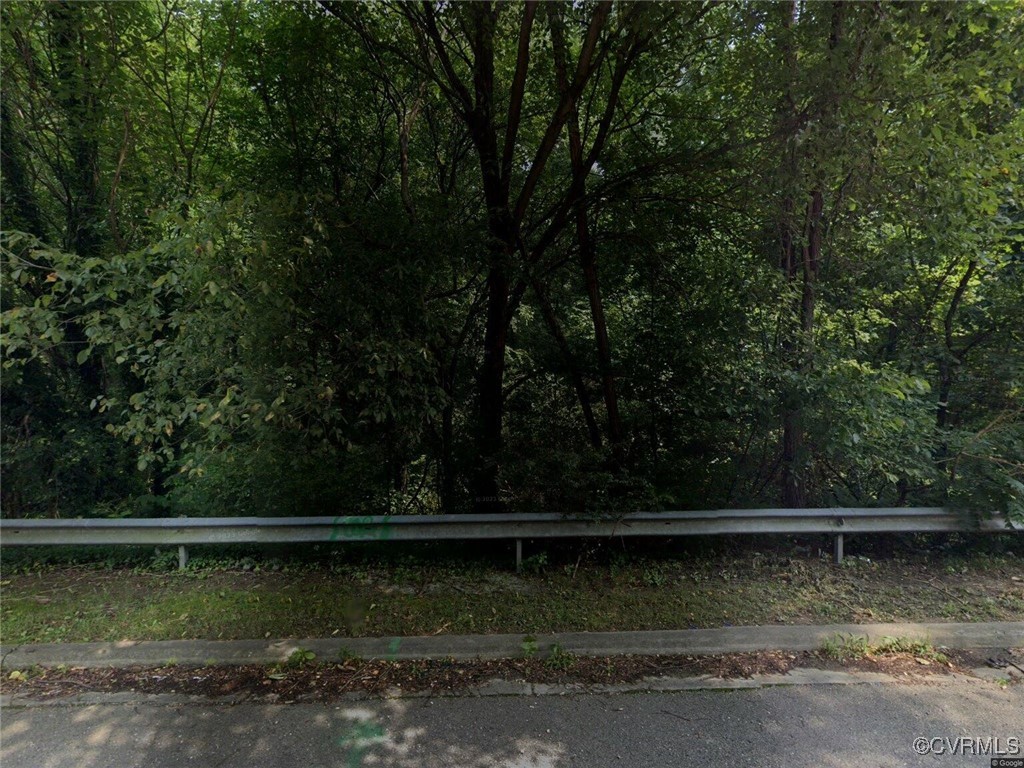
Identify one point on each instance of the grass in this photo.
(349, 593)
(843, 648)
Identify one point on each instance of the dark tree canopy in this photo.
(280, 258)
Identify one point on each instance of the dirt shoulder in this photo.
(330, 681)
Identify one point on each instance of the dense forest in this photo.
(320, 258)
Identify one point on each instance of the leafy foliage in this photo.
(280, 259)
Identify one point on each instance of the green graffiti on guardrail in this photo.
(360, 528)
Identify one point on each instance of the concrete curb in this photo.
(660, 642)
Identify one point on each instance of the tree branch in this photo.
(515, 107)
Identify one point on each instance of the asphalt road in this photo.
(813, 726)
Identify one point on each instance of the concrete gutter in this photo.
(497, 687)
(683, 642)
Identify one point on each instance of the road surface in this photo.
(868, 726)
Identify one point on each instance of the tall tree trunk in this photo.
(584, 238)
(951, 356)
(949, 361)
(492, 396)
(604, 353)
(793, 486)
(575, 376)
(78, 102)
(588, 263)
(447, 462)
(502, 232)
(798, 346)
(794, 482)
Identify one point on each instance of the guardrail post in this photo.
(182, 557)
(519, 555)
(838, 549)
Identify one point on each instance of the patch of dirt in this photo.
(328, 681)
(899, 664)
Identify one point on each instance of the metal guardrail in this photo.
(183, 531)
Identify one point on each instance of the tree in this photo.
(434, 256)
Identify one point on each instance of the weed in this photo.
(24, 674)
(529, 646)
(163, 560)
(654, 577)
(299, 657)
(618, 562)
(346, 655)
(534, 564)
(846, 647)
(560, 659)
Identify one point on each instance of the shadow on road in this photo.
(812, 726)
